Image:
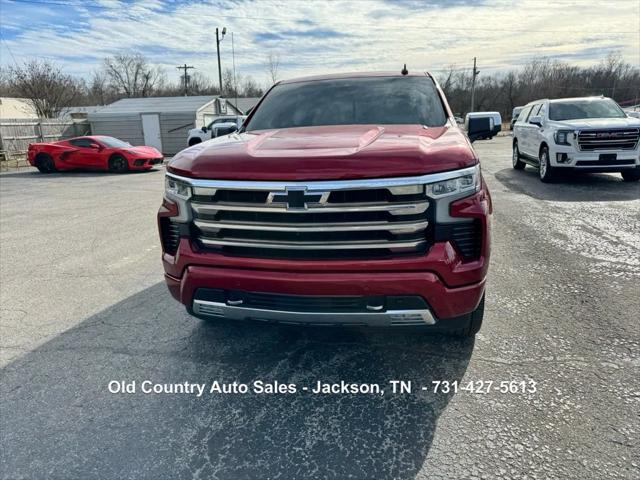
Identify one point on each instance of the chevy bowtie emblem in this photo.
(297, 198)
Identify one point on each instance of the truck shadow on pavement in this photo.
(60, 421)
(579, 187)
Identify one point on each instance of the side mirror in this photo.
(248, 111)
(95, 146)
(479, 127)
(536, 120)
(204, 129)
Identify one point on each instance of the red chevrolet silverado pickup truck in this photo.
(349, 199)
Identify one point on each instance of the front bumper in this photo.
(563, 156)
(441, 302)
(145, 163)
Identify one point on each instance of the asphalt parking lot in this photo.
(83, 303)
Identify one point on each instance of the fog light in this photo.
(562, 158)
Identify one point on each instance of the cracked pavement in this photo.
(83, 303)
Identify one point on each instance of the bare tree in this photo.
(6, 89)
(200, 84)
(250, 88)
(45, 86)
(99, 92)
(229, 83)
(273, 66)
(132, 75)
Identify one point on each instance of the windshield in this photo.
(114, 142)
(578, 109)
(350, 101)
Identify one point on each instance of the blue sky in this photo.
(316, 36)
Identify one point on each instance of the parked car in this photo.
(514, 116)
(220, 124)
(344, 199)
(591, 134)
(95, 152)
(496, 121)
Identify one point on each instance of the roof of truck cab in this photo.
(335, 76)
(568, 99)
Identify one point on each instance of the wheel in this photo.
(546, 170)
(515, 158)
(475, 322)
(45, 163)
(118, 164)
(631, 175)
(194, 141)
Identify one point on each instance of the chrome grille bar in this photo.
(407, 227)
(399, 209)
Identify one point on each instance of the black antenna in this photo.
(404, 70)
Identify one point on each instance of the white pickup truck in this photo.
(215, 128)
(591, 134)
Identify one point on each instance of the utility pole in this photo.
(235, 80)
(185, 67)
(218, 40)
(473, 85)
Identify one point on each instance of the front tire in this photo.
(194, 141)
(631, 175)
(546, 170)
(515, 158)
(475, 322)
(118, 164)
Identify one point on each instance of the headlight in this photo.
(562, 137)
(469, 182)
(177, 188)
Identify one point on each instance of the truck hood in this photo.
(599, 123)
(327, 153)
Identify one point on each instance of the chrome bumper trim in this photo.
(390, 318)
(342, 245)
(324, 185)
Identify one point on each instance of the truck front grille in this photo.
(610, 139)
(312, 221)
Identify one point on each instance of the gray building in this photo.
(161, 122)
(244, 104)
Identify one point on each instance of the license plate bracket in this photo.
(608, 157)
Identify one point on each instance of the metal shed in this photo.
(243, 104)
(161, 122)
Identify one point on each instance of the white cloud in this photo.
(318, 36)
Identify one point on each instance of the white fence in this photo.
(17, 133)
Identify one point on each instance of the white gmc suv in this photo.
(591, 134)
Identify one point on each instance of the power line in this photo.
(9, 49)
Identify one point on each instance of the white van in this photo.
(495, 117)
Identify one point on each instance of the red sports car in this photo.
(93, 153)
